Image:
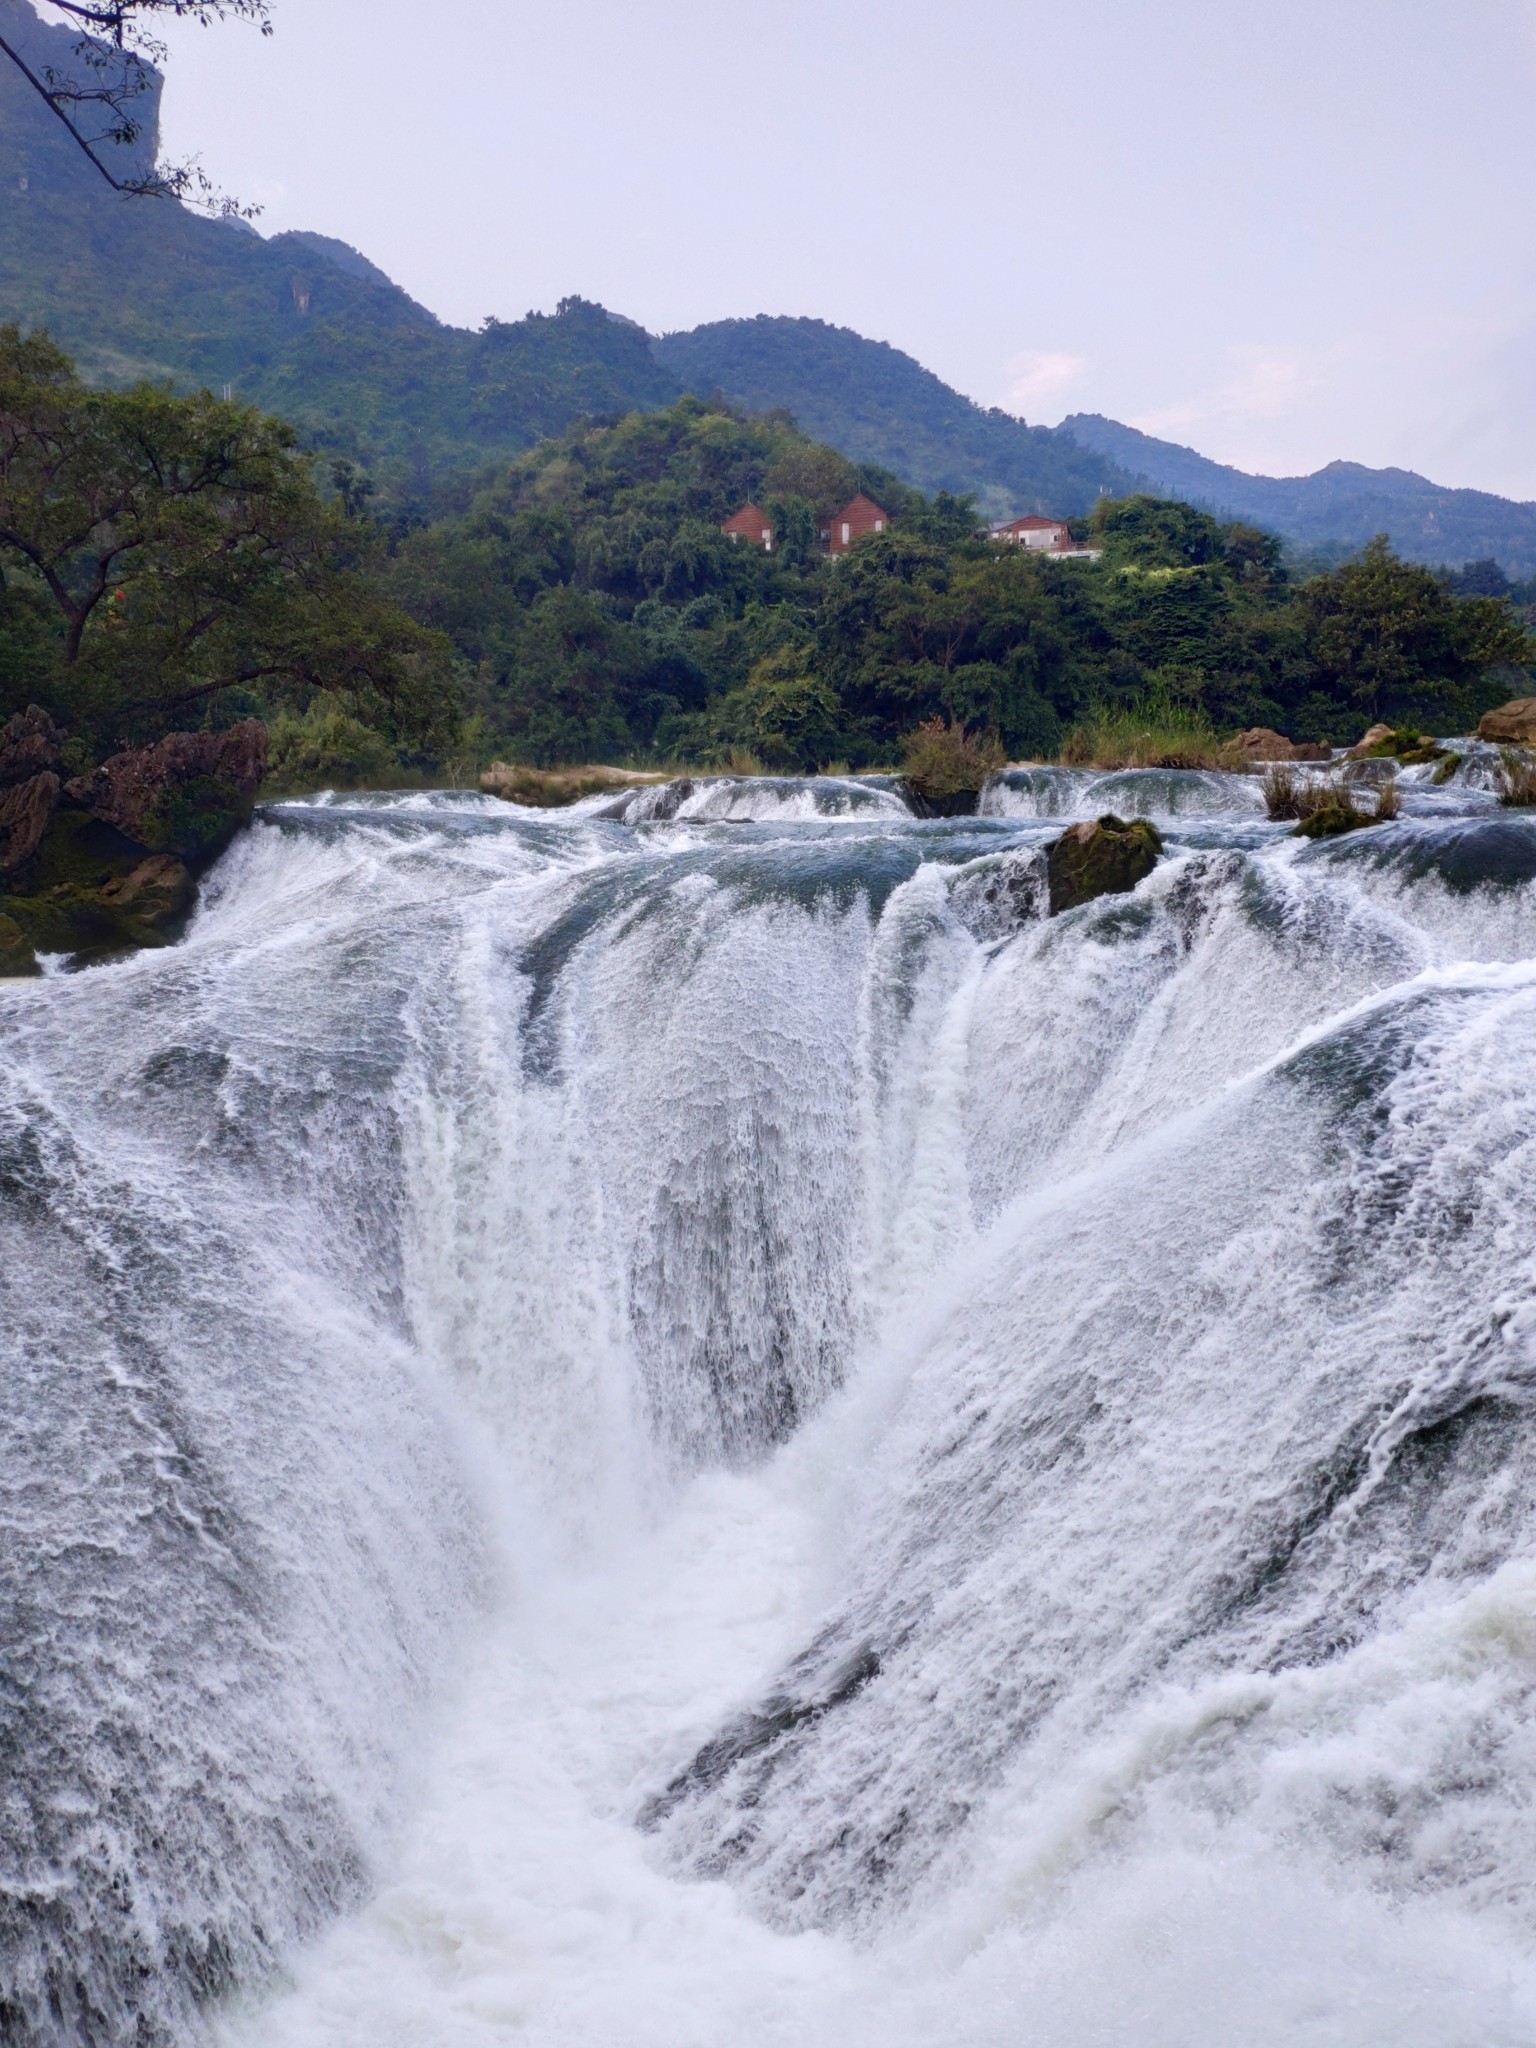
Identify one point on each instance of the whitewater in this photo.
(684, 1422)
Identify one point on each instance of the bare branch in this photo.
(120, 51)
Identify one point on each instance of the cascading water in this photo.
(685, 1422)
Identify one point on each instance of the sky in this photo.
(1281, 234)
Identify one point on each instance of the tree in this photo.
(181, 549)
(1388, 634)
(116, 57)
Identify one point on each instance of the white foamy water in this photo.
(703, 1428)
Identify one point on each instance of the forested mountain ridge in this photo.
(878, 404)
(298, 324)
(1344, 502)
(307, 327)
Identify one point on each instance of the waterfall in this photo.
(686, 1420)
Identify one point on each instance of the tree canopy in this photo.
(600, 610)
(165, 557)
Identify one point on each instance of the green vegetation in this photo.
(299, 325)
(1323, 806)
(945, 766)
(170, 562)
(881, 406)
(166, 562)
(598, 612)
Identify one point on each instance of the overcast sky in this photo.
(1280, 233)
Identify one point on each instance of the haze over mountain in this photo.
(306, 326)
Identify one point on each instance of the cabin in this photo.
(1044, 536)
(859, 516)
(749, 525)
(1036, 532)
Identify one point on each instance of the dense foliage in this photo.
(168, 560)
(602, 613)
(299, 325)
(880, 406)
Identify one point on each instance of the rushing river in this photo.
(682, 1424)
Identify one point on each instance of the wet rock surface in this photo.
(1103, 857)
(188, 794)
(108, 862)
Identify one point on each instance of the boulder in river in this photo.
(1510, 725)
(187, 795)
(1105, 857)
(1262, 743)
(1369, 742)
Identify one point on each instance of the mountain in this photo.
(878, 405)
(300, 324)
(306, 326)
(1345, 502)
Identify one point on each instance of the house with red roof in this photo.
(859, 516)
(750, 525)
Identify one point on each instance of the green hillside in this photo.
(878, 405)
(298, 324)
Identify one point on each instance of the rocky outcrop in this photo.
(110, 862)
(188, 794)
(1262, 743)
(1511, 725)
(25, 809)
(1369, 742)
(1104, 858)
(29, 784)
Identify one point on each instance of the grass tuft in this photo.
(1149, 735)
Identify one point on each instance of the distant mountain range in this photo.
(1345, 502)
(307, 327)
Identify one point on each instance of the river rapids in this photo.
(684, 1424)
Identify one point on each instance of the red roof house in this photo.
(859, 516)
(1033, 531)
(749, 525)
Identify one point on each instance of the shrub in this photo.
(1322, 805)
(942, 761)
(326, 749)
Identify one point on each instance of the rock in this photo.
(188, 794)
(953, 803)
(16, 954)
(1373, 738)
(1263, 743)
(1105, 858)
(25, 808)
(1511, 725)
(157, 890)
(29, 747)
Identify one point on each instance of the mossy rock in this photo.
(1105, 858)
(1404, 743)
(1331, 819)
(92, 892)
(16, 954)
